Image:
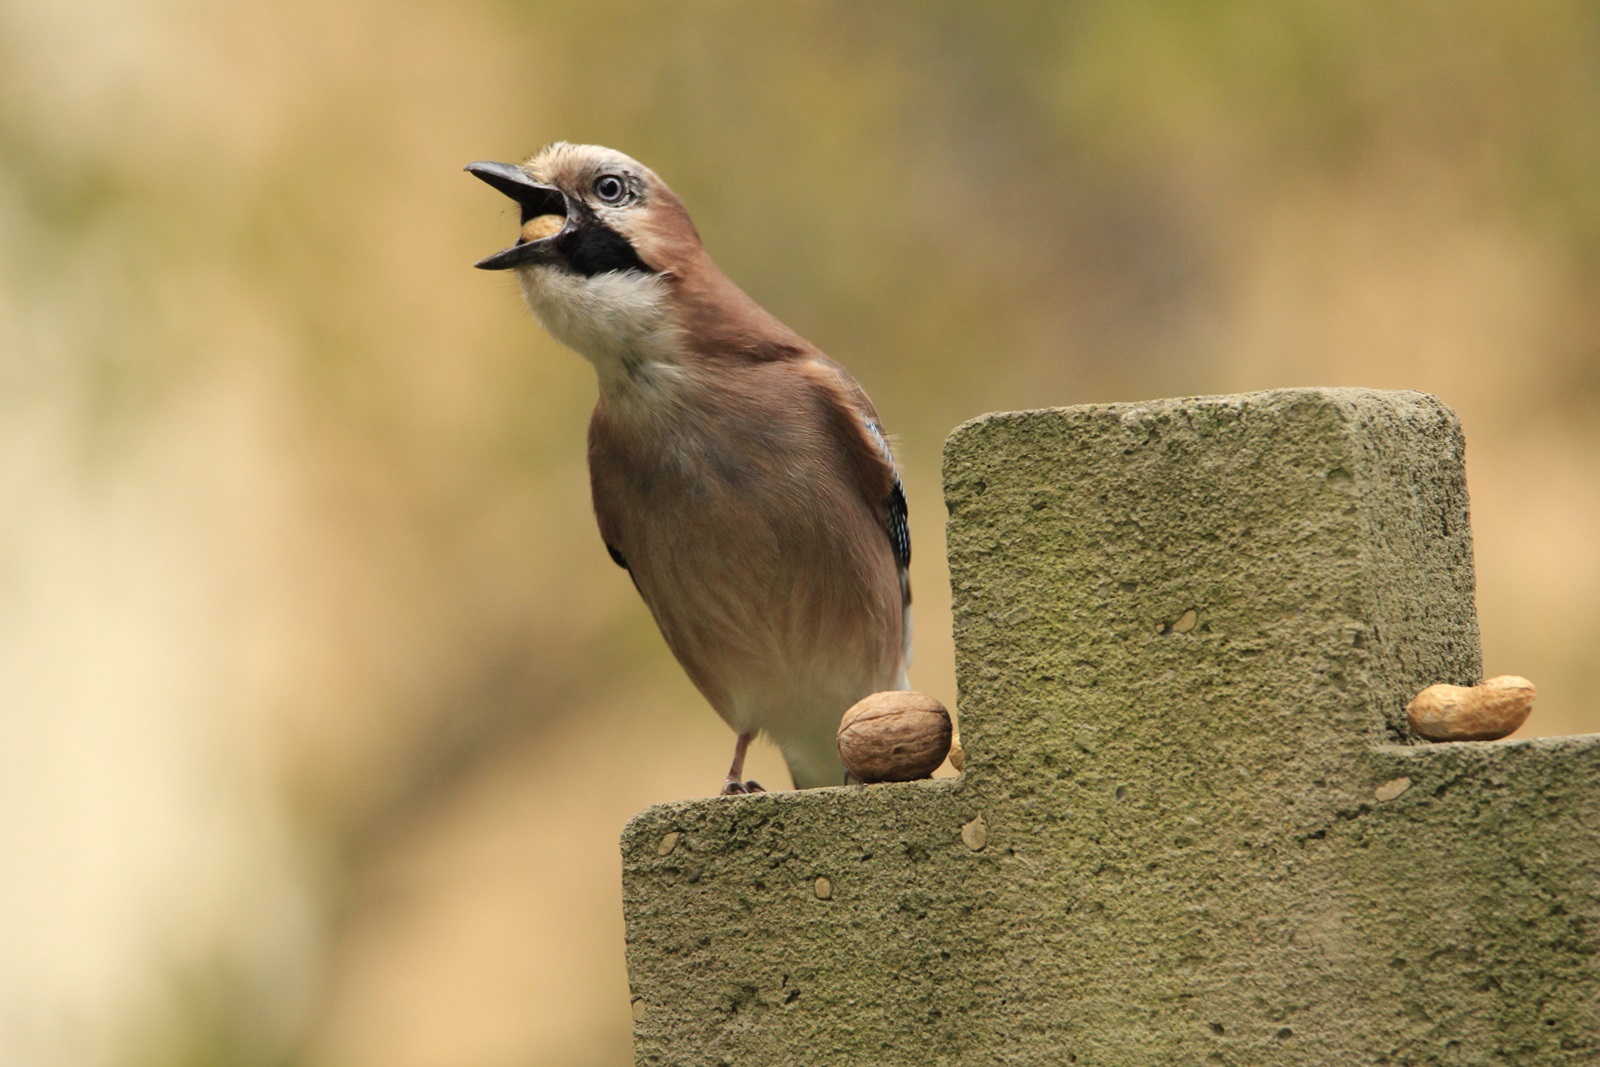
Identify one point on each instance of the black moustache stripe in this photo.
(595, 248)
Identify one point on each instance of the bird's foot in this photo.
(733, 787)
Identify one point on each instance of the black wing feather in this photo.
(894, 508)
(899, 525)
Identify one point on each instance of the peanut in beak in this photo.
(541, 226)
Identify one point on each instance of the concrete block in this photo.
(1193, 825)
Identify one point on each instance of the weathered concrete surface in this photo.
(1186, 631)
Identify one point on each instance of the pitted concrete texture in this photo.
(1193, 827)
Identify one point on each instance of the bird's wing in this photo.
(616, 556)
(608, 531)
(857, 424)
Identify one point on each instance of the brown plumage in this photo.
(738, 473)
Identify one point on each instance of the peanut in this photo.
(542, 226)
(1484, 712)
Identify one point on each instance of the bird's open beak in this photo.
(546, 215)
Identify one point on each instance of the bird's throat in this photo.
(616, 320)
(620, 324)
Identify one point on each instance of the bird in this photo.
(740, 476)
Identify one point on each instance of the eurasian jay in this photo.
(739, 475)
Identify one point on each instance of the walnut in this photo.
(898, 736)
(1484, 712)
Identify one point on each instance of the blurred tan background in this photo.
(321, 706)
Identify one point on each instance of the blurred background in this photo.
(321, 705)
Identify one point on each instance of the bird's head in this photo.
(601, 236)
(589, 210)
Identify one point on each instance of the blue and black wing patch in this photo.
(899, 525)
(894, 508)
(896, 524)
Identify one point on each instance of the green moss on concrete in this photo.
(1186, 631)
(735, 958)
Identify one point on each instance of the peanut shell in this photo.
(1484, 712)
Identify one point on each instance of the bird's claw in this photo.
(733, 788)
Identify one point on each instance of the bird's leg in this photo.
(735, 783)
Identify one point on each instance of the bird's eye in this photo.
(609, 188)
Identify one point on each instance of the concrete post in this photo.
(1193, 825)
